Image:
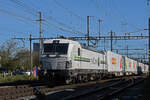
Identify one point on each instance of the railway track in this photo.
(41, 89)
(12, 91)
(106, 92)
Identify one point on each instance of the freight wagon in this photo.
(116, 65)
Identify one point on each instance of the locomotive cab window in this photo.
(78, 51)
(56, 48)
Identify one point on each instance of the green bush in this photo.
(17, 78)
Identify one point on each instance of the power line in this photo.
(68, 10)
(64, 25)
(48, 24)
(25, 7)
(50, 18)
(16, 15)
(19, 17)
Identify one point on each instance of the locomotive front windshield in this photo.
(56, 48)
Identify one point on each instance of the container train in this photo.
(70, 61)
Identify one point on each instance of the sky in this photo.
(18, 18)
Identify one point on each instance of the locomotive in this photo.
(71, 61)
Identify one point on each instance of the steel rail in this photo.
(107, 91)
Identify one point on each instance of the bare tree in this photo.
(13, 56)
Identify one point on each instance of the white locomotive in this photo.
(68, 60)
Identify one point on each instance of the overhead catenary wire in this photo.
(123, 16)
(64, 25)
(32, 10)
(15, 14)
(48, 24)
(25, 7)
(116, 10)
(50, 18)
(19, 17)
(69, 10)
(22, 18)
